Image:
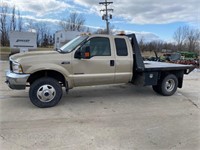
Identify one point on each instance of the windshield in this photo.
(71, 45)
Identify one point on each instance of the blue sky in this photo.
(150, 19)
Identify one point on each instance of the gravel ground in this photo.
(114, 117)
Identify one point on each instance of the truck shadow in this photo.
(107, 93)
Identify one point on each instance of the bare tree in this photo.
(42, 32)
(8, 23)
(193, 38)
(88, 30)
(13, 20)
(51, 42)
(30, 24)
(187, 38)
(104, 31)
(3, 25)
(20, 23)
(75, 22)
(45, 41)
(101, 31)
(141, 44)
(180, 35)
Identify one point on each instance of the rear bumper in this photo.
(16, 81)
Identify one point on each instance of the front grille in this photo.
(11, 69)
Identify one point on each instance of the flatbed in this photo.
(163, 66)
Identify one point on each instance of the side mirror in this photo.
(87, 53)
(83, 54)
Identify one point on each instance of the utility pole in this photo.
(106, 16)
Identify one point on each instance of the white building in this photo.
(62, 37)
(23, 40)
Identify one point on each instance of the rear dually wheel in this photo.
(167, 86)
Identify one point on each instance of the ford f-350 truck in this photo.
(90, 60)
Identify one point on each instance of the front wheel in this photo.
(45, 92)
(167, 86)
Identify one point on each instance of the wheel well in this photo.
(179, 74)
(47, 73)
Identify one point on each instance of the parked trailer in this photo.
(62, 37)
(22, 41)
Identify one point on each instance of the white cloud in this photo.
(132, 11)
(40, 19)
(151, 11)
(145, 36)
(87, 2)
(39, 7)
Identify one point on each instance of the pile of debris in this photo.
(187, 58)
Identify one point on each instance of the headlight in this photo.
(17, 68)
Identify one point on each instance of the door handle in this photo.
(65, 62)
(112, 62)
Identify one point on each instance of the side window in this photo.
(99, 46)
(121, 47)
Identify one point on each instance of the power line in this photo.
(106, 16)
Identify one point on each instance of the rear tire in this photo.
(45, 92)
(167, 86)
(157, 88)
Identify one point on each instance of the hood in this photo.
(40, 60)
(30, 55)
(28, 59)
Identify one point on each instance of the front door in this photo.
(99, 68)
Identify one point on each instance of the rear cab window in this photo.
(121, 47)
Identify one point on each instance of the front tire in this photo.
(45, 92)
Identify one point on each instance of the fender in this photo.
(54, 67)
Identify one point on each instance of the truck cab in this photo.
(102, 59)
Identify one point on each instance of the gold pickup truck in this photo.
(90, 60)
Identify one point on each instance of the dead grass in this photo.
(4, 49)
(8, 49)
(149, 54)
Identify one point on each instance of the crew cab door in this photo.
(123, 60)
(97, 67)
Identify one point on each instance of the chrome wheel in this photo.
(166, 86)
(46, 93)
(170, 84)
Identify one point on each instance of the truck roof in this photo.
(105, 35)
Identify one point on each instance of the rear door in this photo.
(124, 60)
(100, 68)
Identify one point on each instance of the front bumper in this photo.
(16, 81)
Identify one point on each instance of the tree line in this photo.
(12, 24)
(11, 20)
(185, 37)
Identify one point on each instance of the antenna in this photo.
(106, 16)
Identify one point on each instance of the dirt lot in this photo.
(115, 117)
